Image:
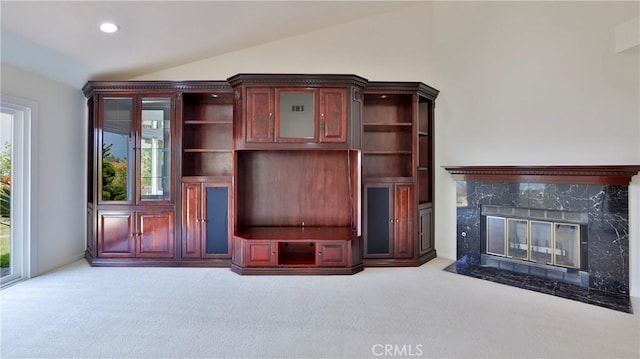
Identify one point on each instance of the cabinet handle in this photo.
(270, 114)
(320, 254)
(397, 220)
(273, 253)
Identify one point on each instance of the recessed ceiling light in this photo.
(109, 27)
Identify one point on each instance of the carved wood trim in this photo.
(602, 175)
(298, 80)
(383, 87)
(133, 86)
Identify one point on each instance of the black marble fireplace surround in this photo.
(601, 193)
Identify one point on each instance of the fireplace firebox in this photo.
(547, 243)
(560, 230)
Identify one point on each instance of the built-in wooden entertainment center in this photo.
(265, 173)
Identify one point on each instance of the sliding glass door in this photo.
(15, 184)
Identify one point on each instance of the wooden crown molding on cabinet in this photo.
(123, 86)
(298, 80)
(577, 174)
(399, 87)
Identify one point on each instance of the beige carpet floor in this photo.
(84, 312)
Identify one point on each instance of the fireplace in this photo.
(547, 243)
(554, 229)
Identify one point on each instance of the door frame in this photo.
(23, 258)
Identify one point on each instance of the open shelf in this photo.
(297, 253)
(424, 153)
(424, 111)
(207, 134)
(387, 109)
(387, 140)
(424, 186)
(207, 163)
(387, 165)
(207, 107)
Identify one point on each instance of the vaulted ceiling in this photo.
(61, 39)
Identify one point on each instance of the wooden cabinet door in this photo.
(191, 220)
(216, 223)
(333, 115)
(403, 221)
(426, 230)
(379, 221)
(116, 235)
(260, 253)
(155, 236)
(331, 254)
(260, 115)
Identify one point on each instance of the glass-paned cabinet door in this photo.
(117, 149)
(155, 149)
(296, 111)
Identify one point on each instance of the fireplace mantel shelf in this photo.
(584, 174)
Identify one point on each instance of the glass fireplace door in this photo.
(567, 245)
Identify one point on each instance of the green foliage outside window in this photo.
(5, 176)
(5, 205)
(114, 176)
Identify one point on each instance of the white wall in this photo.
(59, 198)
(520, 82)
(371, 49)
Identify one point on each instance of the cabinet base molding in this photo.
(295, 270)
(154, 262)
(393, 262)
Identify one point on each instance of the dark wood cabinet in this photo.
(398, 173)
(291, 250)
(297, 111)
(144, 138)
(388, 221)
(297, 140)
(155, 236)
(333, 115)
(284, 115)
(128, 234)
(207, 169)
(260, 253)
(425, 230)
(116, 234)
(206, 225)
(266, 173)
(403, 236)
(260, 115)
(332, 254)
